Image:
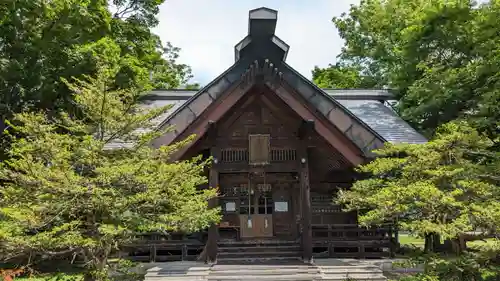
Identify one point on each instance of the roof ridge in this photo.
(354, 94)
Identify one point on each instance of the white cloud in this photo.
(206, 31)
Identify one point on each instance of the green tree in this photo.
(448, 186)
(143, 11)
(91, 187)
(42, 41)
(441, 57)
(342, 77)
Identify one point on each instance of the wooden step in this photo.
(258, 254)
(261, 248)
(271, 271)
(257, 243)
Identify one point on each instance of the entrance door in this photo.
(285, 226)
(258, 222)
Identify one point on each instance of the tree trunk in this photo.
(428, 243)
(459, 244)
(203, 254)
(432, 242)
(97, 265)
(436, 240)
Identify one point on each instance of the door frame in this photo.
(259, 222)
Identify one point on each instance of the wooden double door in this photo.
(267, 210)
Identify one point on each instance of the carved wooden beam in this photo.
(260, 72)
(306, 129)
(211, 133)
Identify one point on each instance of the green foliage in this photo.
(466, 267)
(56, 277)
(126, 270)
(85, 185)
(342, 77)
(42, 41)
(63, 277)
(441, 57)
(144, 11)
(445, 186)
(420, 277)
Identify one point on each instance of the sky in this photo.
(207, 30)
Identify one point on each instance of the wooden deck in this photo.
(334, 240)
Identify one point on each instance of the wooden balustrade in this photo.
(351, 231)
(351, 240)
(158, 247)
(163, 250)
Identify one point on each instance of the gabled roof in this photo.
(359, 114)
(370, 106)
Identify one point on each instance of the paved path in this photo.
(328, 269)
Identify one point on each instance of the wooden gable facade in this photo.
(281, 147)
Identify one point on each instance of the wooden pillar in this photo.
(305, 191)
(306, 210)
(213, 230)
(213, 180)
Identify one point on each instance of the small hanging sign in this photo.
(230, 206)
(281, 206)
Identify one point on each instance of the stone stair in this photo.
(178, 271)
(263, 272)
(279, 271)
(351, 272)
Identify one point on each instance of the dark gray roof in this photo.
(150, 103)
(383, 120)
(360, 94)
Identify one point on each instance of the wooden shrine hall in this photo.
(282, 148)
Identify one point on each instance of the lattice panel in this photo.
(323, 203)
(283, 154)
(235, 190)
(232, 155)
(321, 198)
(326, 209)
(327, 158)
(264, 187)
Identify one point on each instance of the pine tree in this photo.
(85, 185)
(446, 187)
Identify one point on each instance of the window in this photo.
(265, 199)
(259, 146)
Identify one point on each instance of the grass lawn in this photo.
(406, 239)
(479, 243)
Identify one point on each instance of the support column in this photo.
(213, 181)
(305, 189)
(213, 230)
(305, 132)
